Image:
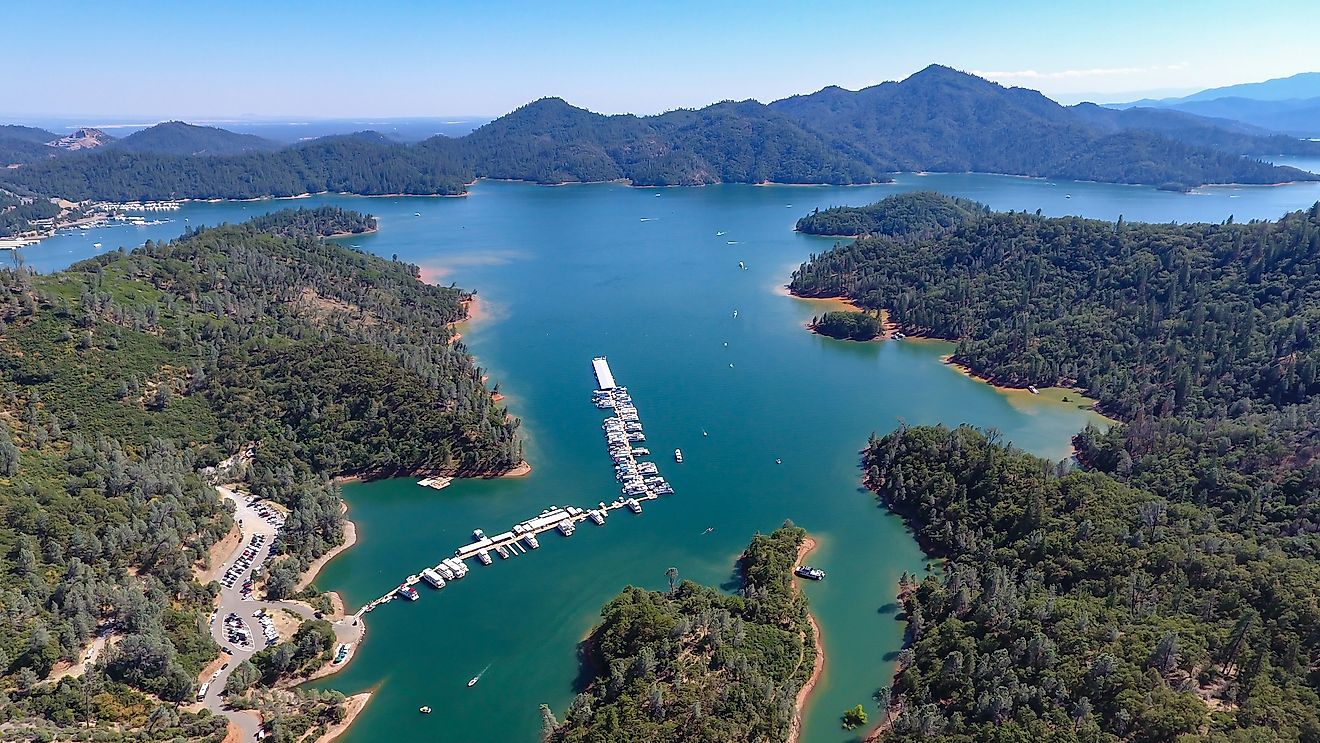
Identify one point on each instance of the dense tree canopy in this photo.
(123, 376)
(1171, 589)
(900, 214)
(695, 664)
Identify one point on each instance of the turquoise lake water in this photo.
(641, 275)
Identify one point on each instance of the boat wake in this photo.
(477, 678)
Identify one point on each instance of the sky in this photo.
(335, 58)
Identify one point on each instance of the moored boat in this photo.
(806, 571)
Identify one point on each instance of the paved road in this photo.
(347, 630)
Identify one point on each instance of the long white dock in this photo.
(515, 541)
(604, 377)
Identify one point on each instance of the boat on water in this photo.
(474, 681)
(633, 505)
(742, 265)
(434, 578)
(407, 592)
(531, 541)
(1032, 389)
(483, 557)
(640, 451)
(438, 483)
(778, 460)
(502, 551)
(566, 527)
(678, 456)
(96, 245)
(425, 709)
(806, 571)
(596, 517)
(478, 534)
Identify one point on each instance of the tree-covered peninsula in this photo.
(900, 214)
(848, 325)
(1166, 589)
(124, 376)
(696, 664)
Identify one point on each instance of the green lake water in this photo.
(641, 275)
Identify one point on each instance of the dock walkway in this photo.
(622, 430)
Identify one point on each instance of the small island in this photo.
(850, 325)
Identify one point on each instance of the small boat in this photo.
(407, 592)
(502, 551)
(483, 557)
(708, 530)
(425, 709)
(597, 517)
(742, 265)
(633, 505)
(478, 534)
(778, 460)
(719, 234)
(678, 456)
(417, 214)
(1032, 389)
(1067, 196)
(96, 245)
(735, 313)
(477, 678)
(806, 571)
(531, 541)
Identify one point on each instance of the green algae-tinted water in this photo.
(568, 273)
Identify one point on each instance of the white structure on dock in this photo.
(604, 377)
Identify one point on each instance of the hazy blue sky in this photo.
(388, 58)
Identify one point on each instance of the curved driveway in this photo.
(348, 630)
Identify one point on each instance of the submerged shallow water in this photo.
(642, 276)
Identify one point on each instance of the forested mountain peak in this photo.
(182, 138)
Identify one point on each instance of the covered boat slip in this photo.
(604, 377)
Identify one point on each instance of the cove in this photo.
(568, 273)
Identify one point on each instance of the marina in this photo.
(639, 481)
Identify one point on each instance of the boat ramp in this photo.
(639, 480)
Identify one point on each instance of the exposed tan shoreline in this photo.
(353, 707)
(841, 304)
(818, 667)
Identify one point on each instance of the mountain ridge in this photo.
(938, 119)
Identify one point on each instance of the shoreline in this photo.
(350, 539)
(353, 707)
(818, 665)
(842, 304)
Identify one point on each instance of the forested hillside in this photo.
(124, 375)
(1172, 587)
(350, 164)
(938, 119)
(1075, 607)
(179, 138)
(695, 664)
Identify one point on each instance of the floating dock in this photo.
(640, 481)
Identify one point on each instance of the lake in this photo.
(645, 277)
